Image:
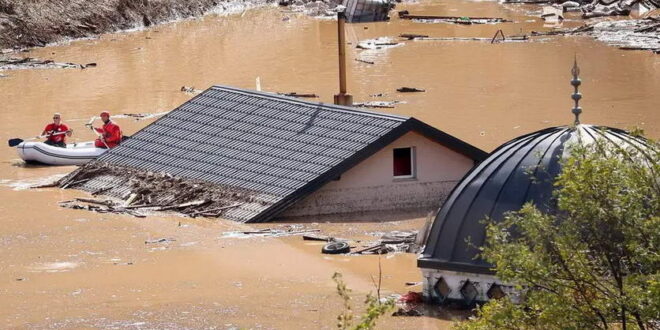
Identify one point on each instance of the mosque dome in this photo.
(520, 171)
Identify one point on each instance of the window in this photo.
(404, 162)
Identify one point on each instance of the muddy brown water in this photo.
(71, 269)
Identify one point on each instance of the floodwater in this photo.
(67, 268)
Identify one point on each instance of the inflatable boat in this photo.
(73, 154)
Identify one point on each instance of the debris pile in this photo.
(392, 242)
(282, 231)
(631, 34)
(643, 34)
(135, 192)
(599, 8)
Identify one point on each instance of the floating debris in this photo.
(378, 43)
(626, 34)
(515, 38)
(190, 90)
(337, 247)
(392, 242)
(410, 90)
(377, 104)
(553, 13)
(465, 20)
(365, 61)
(15, 63)
(136, 191)
(160, 240)
(319, 238)
(411, 36)
(288, 230)
(300, 95)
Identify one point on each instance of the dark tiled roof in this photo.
(280, 148)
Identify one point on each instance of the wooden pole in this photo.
(341, 38)
(342, 98)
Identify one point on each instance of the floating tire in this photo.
(336, 248)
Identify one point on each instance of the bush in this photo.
(594, 264)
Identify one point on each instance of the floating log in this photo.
(104, 202)
(411, 36)
(364, 61)
(302, 95)
(369, 249)
(319, 238)
(46, 185)
(410, 90)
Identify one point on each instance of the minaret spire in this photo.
(576, 82)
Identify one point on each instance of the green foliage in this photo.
(373, 308)
(595, 264)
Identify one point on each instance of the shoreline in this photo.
(47, 23)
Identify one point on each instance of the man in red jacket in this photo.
(56, 132)
(110, 134)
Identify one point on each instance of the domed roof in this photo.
(520, 171)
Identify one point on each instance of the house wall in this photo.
(370, 185)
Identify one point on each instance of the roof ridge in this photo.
(328, 106)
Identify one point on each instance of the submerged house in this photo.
(520, 171)
(293, 158)
(362, 11)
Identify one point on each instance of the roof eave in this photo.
(448, 140)
(430, 263)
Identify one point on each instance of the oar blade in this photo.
(14, 142)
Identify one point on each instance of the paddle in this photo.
(15, 142)
(89, 124)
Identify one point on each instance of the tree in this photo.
(595, 262)
(374, 308)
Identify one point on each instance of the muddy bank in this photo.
(41, 22)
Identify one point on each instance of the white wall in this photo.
(370, 185)
(456, 280)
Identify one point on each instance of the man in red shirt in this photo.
(109, 135)
(57, 126)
